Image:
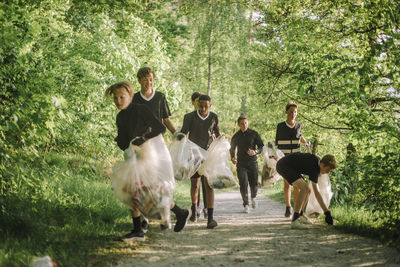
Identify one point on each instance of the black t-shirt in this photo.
(157, 104)
(244, 141)
(302, 163)
(136, 120)
(201, 131)
(288, 139)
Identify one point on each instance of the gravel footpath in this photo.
(260, 238)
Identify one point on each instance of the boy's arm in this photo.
(168, 123)
(259, 144)
(232, 149)
(318, 196)
(216, 127)
(122, 139)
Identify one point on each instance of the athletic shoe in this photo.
(254, 203)
(137, 236)
(212, 224)
(145, 225)
(246, 209)
(305, 220)
(181, 220)
(205, 213)
(163, 227)
(297, 224)
(193, 216)
(288, 211)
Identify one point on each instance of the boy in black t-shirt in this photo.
(202, 126)
(291, 168)
(136, 122)
(153, 99)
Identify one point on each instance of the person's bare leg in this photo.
(305, 200)
(194, 189)
(211, 223)
(296, 191)
(303, 186)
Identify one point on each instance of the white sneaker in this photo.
(246, 209)
(297, 224)
(304, 219)
(254, 203)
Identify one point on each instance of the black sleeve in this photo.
(259, 144)
(122, 137)
(216, 127)
(165, 111)
(233, 146)
(187, 121)
(154, 125)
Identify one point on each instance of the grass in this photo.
(358, 220)
(63, 207)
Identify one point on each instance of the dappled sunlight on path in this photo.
(260, 238)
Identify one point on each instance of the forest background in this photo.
(339, 60)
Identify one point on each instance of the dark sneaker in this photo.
(138, 236)
(182, 219)
(212, 224)
(288, 211)
(145, 225)
(205, 213)
(193, 216)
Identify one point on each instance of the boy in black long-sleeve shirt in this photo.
(202, 126)
(136, 122)
(248, 143)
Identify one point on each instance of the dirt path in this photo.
(261, 238)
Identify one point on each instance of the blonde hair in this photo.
(329, 160)
(124, 85)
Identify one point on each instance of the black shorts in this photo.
(287, 173)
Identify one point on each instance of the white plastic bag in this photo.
(145, 180)
(216, 167)
(186, 157)
(269, 174)
(313, 208)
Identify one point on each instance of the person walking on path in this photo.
(249, 144)
(291, 168)
(288, 137)
(136, 120)
(202, 125)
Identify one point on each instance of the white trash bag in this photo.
(313, 208)
(216, 167)
(269, 175)
(186, 157)
(145, 181)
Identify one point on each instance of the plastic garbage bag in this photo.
(145, 180)
(216, 167)
(313, 208)
(269, 175)
(186, 157)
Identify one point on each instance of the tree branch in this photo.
(326, 127)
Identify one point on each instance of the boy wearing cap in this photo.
(248, 143)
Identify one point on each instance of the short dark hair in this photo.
(241, 117)
(143, 72)
(291, 104)
(329, 160)
(205, 98)
(195, 95)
